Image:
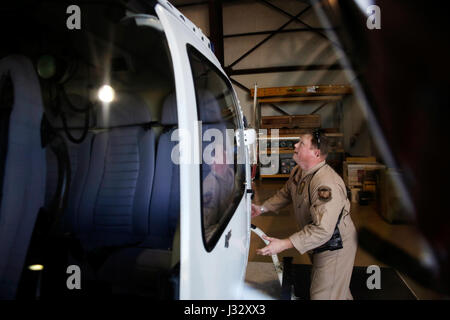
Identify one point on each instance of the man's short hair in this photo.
(319, 141)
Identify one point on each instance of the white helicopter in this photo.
(96, 111)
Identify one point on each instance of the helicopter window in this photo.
(222, 169)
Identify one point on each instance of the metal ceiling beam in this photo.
(269, 37)
(277, 108)
(312, 67)
(271, 31)
(240, 85)
(320, 107)
(300, 21)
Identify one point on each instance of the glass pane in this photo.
(222, 168)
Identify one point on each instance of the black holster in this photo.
(335, 242)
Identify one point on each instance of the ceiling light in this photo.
(106, 93)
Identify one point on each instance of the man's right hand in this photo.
(256, 210)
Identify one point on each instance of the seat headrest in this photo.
(27, 92)
(169, 116)
(127, 109)
(209, 108)
(74, 119)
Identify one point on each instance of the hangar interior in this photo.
(294, 66)
(284, 43)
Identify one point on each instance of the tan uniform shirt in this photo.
(217, 194)
(317, 220)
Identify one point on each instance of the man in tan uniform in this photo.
(218, 188)
(320, 202)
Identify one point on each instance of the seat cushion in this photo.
(114, 206)
(165, 200)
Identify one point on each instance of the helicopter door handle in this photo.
(227, 239)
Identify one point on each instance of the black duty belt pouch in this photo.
(335, 243)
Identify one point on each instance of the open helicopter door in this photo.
(214, 170)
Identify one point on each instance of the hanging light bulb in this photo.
(106, 93)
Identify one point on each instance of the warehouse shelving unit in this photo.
(290, 126)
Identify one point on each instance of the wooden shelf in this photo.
(303, 91)
(292, 151)
(296, 132)
(275, 175)
(291, 126)
(288, 136)
(298, 99)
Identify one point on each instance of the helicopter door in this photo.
(214, 170)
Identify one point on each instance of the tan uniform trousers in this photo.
(332, 270)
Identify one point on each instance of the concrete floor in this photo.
(261, 273)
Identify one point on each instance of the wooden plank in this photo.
(275, 175)
(334, 134)
(310, 90)
(294, 121)
(297, 132)
(361, 160)
(269, 152)
(299, 99)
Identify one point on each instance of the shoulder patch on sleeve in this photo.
(324, 193)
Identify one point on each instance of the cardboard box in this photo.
(355, 173)
(354, 192)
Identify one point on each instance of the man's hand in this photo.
(275, 246)
(256, 210)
